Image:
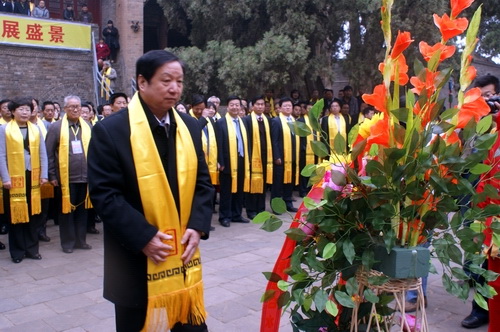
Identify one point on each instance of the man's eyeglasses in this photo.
(73, 107)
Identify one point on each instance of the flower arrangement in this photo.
(401, 185)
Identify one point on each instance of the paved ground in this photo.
(63, 292)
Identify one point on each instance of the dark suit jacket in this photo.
(277, 141)
(223, 145)
(115, 195)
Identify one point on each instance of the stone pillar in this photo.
(131, 43)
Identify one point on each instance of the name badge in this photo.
(76, 147)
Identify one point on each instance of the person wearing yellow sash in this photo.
(48, 110)
(334, 124)
(216, 101)
(150, 185)
(269, 97)
(306, 155)
(285, 155)
(234, 164)
(6, 116)
(67, 142)
(108, 82)
(23, 168)
(261, 157)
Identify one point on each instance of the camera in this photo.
(491, 101)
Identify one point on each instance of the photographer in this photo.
(490, 89)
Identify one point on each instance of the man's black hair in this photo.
(487, 79)
(233, 98)
(148, 64)
(115, 95)
(5, 101)
(285, 99)
(197, 99)
(254, 100)
(45, 103)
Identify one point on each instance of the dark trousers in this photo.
(23, 237)
(91, 215)
(231, 204)
(132, 320)
(42, 225)
(5, 217)
(280, 189)
(255, 203)
(73, 226)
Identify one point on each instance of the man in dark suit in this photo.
(130, 240)
(231, 156)
(285, 162)
(260, 166)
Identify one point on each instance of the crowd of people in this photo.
(28, 8)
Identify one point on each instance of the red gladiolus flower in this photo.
(474, 107)
(450, 27)
(428, 84)
(471, 73)
(402, 70)
(403, 40)
(457, 6)
(429, 51)
(377, 99)
(379, 134)
(424, 113)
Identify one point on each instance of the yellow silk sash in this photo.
(287, 151)
(310, 158)
(42, 127)
(333, 129)
(64, 141)
(175, 290)
(233, 154)
(257, 169)
(17, 171)
(105, 87)
(46, 189)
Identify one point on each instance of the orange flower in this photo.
(403, 40)
(377, 99)
(452, 138)
(450, 27)
(424, 112)
(427, 85)
(402, 69)
(379, 133)
(429, 51)
(457, 6)
(474, 107)
(471, 73)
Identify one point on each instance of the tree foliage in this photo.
(246, 46)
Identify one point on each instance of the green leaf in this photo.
(308, 170)
(329, 250)
(284, 299)
(480, 169)
(271, 276)
(480, 301)
(370, 296)
(378, 280)
(283, 285)
(272, 224)
(331, 308)
(307, 303)
(449, 113)
(374, 167)
(296, 234)
(484, 124)
(351, 286)
(299, 128)
(348, 249)
(320, 299)
(455, 254)
(344, 299)
(459, 273)
(278, 205)
(268, 294)
(490, 275)
(368, 258)
(261, 217)
(320, 149)
(339, 144)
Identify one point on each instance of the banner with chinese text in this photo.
(23, 30)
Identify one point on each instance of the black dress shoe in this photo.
(3, 229)
(43, 238)
(2, 246)
(35, 256)
(92, 230)
(251, 215)
(17, 260)
(291, 209)
(67, 251)
(473, 321)
(241, 220)
(84, 246)
(212, 228)
(225, 223)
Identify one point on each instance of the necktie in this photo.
(166, 126)
(241, 151)
(259, 118)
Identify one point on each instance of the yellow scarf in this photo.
(287, 151)
(42, 127)
(64, 141)
(257, 170)
(175, 290)
(209, 145)
(273, 111)
(105, 84)
(233, 154)
(310, 158)
(2, 121)
(17, 170)
(333, 129)
(46, 189)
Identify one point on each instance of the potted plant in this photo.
(399, 186)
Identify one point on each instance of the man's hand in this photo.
(156, 250)
(54, 183)
(191, 239)
(277, 161)
(43, 181)
(7, 185)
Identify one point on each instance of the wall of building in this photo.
(46, 74)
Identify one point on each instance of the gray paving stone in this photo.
(34, 326)
(68, 303)
(8, 304)
(71, 319)
(228, 311)
(30, 314)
